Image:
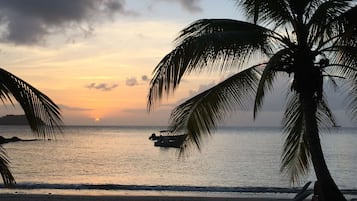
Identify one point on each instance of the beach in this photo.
(39, 197)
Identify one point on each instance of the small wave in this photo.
(177, 188)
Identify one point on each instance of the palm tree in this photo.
(313, 42)
(42, 114)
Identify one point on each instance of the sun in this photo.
(97, 119)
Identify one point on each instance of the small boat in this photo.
(167, 140)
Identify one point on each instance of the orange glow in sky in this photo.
(97, 68)
(97, 65)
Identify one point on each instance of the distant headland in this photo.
(12, 119)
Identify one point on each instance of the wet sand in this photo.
(42, 197)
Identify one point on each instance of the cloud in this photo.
(145, 78)
(131, 81)
(189, 5)
(65, 107)
(102, 86)
(30, 22)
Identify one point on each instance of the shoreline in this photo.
(58, 197)
(142, 193)
(89, 195)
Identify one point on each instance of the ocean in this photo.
(110, 160)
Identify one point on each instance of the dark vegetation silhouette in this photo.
(313, 42)
(43, 115)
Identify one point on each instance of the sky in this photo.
(95, 58)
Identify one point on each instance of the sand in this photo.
(44, 197)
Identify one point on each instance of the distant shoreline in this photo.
(13, 120)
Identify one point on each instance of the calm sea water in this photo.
(122, 158)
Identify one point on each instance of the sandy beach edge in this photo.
(52, 197)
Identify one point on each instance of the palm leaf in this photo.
(352, 100)
(207, 44)
(346, 24)
(265, 84)
(267, 12)
(343, 61)
(5, 172)
(331, 80)
(42, 113)
(347, 56)
(325, 117)
(296, 155)
(199, 115)
(278, 62)
(325, 18)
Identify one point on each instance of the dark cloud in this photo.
(131, 81)
(65, 107)
(192, 6)
(102, 86)
(29, 22)
(145, 78)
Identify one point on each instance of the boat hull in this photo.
(174, 141)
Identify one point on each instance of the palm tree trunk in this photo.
(329, 189)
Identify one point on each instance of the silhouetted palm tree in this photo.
(42, 114)
(311, 41)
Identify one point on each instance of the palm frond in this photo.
(296, 156)
(352, 100)
(206, 45)
(42, 113)
(5, 172)
(325, 117)
(346, 23)
(331, 80)
(267, 12)
(325, 18)
(347, 56)
(311, 7)
(280, 61)
(265, 84)
(208, 26)
(199, 115)
(343, 61)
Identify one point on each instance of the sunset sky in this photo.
(95, 58)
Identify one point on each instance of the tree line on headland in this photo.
(11, 119)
